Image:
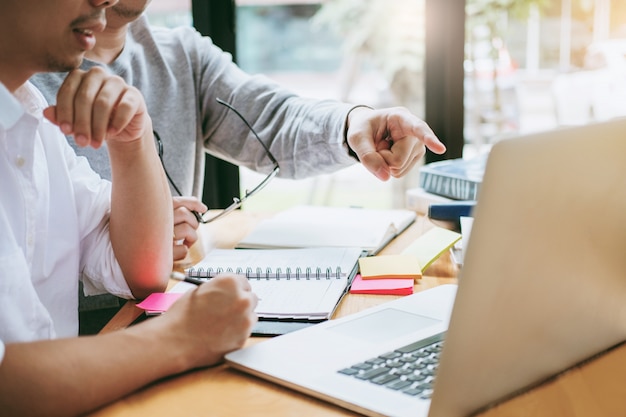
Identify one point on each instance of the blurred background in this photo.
(528, 65)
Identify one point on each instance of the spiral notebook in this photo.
(292, 284)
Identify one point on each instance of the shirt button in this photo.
(19, 161)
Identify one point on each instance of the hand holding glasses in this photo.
(237, 201)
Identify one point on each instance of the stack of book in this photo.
(447, 181)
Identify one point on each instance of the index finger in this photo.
(64, 109)
(190, 203)
(432, 142)
(245, 283)
(403, 126)
(236, 282)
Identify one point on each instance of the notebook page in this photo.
(314, 299)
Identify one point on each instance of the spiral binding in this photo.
(268, 273)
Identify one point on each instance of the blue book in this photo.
(458, 179)
(452, 211)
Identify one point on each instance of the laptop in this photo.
(542, 288)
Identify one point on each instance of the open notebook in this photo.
(319, 226)
(541, 289)
(292, 284)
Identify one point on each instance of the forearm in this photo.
(305, 135)
(95, 106)
(69, 377)
(141, 224)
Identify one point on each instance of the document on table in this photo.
(321, 226)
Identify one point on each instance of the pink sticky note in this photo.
(388, 286)
(159, 301)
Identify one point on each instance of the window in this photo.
(524, 71)
(333, 51)
(541, 63)
(170, 13)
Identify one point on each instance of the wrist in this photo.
(357, 107)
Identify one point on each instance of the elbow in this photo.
(148, 284)
(149, 277)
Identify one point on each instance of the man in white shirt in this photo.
(60, 222)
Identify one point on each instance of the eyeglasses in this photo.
(237, 201)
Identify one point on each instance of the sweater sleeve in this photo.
(305, 135)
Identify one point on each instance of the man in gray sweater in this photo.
(181, 73)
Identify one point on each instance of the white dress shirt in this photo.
(54, 213)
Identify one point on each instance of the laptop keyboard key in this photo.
(372, 373)
(384, 379)
(349, 371)
(399, 384)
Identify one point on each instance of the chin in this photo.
(64, 65)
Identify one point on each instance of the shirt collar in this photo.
(12, 110)
(31, 98)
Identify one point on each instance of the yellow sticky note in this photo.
(390, 266)
(428, 247)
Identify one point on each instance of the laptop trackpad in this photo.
(383, 325)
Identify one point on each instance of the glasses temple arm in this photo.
(243, 119)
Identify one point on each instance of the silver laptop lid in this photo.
(543, 284)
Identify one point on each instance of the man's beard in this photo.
(126, 13)
(53, 64)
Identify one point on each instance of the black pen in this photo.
(182, 277)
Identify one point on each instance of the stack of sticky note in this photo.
(395, 274)
(392, 286)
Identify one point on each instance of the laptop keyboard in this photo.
(410, 369)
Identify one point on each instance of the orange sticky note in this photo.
(388, 286)
(390, 266)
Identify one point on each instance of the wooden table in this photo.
(595, 389)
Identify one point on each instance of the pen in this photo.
(182, 277)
